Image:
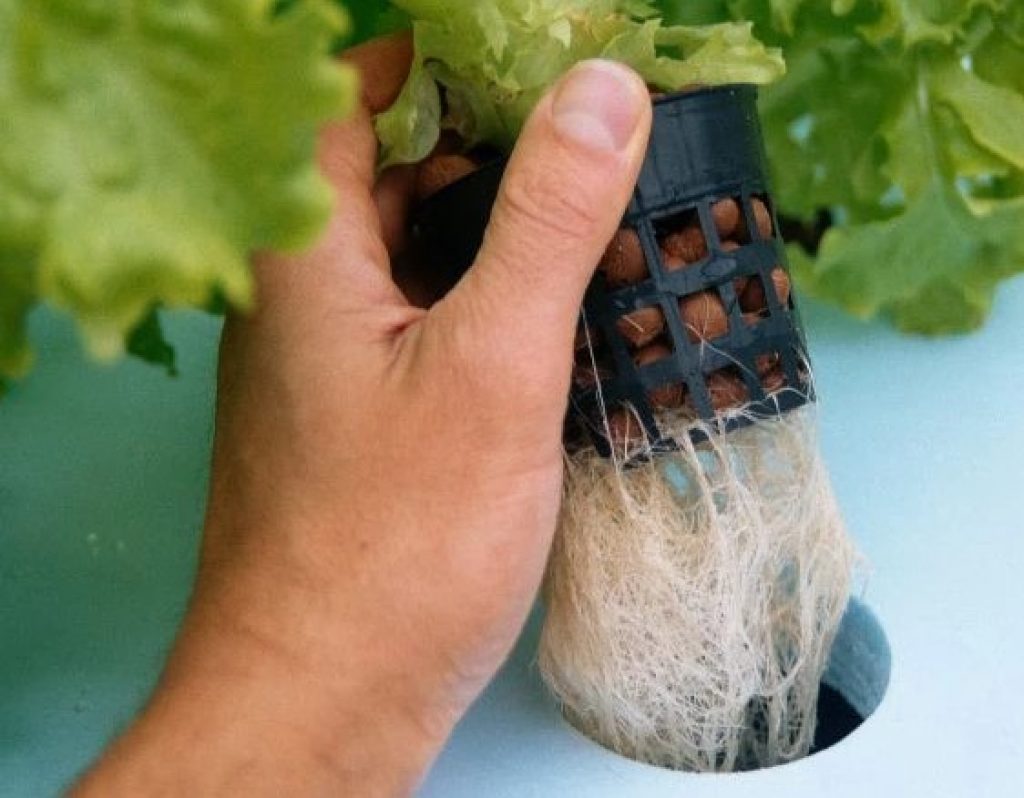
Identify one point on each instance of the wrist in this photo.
(246, 710)
(342, 709)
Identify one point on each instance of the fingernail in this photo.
(599, 105)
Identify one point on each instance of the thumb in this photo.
(562, 198)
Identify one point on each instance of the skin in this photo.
(386, 478)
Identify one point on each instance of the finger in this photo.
(384, 64)
(387, 60)
(350, 149)
(393, 195)
(350, 262)
(563, 196)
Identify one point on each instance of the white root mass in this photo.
(692, 601)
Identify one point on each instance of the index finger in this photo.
(388, 60)
(350, 264)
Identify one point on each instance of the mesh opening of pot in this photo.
(642, 327)
(758, 222)
(771, 372)
(664, 394)
(681, 240)
(757, 297)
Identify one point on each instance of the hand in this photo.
(386, 479)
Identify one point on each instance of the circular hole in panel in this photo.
(855, 681)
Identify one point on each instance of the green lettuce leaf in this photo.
(904, 121)
(495, 58)
(148, 148)
(949, 262)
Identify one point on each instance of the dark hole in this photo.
(751, 291)
(807, 234)
(837, 719)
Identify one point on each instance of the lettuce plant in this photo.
(147, 149)
(488, 62)
(902, 123)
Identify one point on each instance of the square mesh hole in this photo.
(641, 327)
(771, 372)
(757, 222)
(727, 215)
(624, 262)
(667, 395)
(739, 287)
(727, 389)
(754, 296)
(704, 315)
(681, 240)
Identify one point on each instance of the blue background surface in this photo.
(102, 480)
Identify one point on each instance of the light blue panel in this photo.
(102, 476)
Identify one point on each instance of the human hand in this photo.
(386, 479)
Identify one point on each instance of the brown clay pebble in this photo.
(672, 263)
(763, 217)
(753, 298)
(627, 433)
(688, 244)
(439, 171)
(623, 262)
(726, 214)
(783, 285)
(727, 391)
(704, 316)
(641, 326)
(667, 395)
(774, 380)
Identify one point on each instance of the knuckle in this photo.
(550, 202)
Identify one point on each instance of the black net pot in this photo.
(706, 152)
